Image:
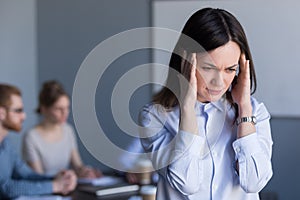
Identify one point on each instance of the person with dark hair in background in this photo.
(207, 136)
(16, 178)
(51, 145)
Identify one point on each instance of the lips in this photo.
(214, 92)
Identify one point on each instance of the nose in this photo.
(24, 116)
(217, 79)
(65, 111)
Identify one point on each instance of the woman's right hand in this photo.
(88, 172)
(64, 182)
(132, 178)
(188, 94)
(188, 83)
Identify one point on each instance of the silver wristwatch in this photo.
(251, 119)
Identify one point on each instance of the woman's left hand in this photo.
(88, 172)
(241, 96)
(241, 90)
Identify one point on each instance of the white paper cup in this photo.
(145, 169)
(148, 192)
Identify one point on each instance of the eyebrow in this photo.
(211, 65)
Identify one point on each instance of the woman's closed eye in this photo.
(207, 68)
(231, 70)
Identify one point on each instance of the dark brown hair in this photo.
(6, 91)
(51, 91)
(210, 28)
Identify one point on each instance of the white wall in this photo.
(18, 53)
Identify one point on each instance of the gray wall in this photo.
(18, 54)
(286, 159)
(67, 31)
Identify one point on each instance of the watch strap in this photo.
(251, 119)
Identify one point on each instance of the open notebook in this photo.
(102, 181)
(112, 187)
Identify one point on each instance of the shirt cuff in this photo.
(189, 143)
(247, 145)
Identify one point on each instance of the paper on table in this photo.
(117, 190)
(102, 181)
(135, 198)
(43, 197)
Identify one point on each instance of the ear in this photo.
(3, 113)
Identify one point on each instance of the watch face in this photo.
(254, 120)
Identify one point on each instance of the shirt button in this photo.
(238, 149)
(214, 187)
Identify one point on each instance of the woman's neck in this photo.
(51, 132)
(47, 124)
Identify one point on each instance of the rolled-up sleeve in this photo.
(253, 153)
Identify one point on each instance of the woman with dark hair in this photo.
(206, 135)
(51, 145)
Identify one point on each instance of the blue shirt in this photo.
(16, 178)
(203, 166)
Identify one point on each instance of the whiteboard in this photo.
(273, 32)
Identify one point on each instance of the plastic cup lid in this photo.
(148, 189)
(144, 163)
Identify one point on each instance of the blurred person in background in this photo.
(51, 145)
(16, 178)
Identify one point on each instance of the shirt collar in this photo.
(220, 105)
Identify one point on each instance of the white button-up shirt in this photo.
(203, 166)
